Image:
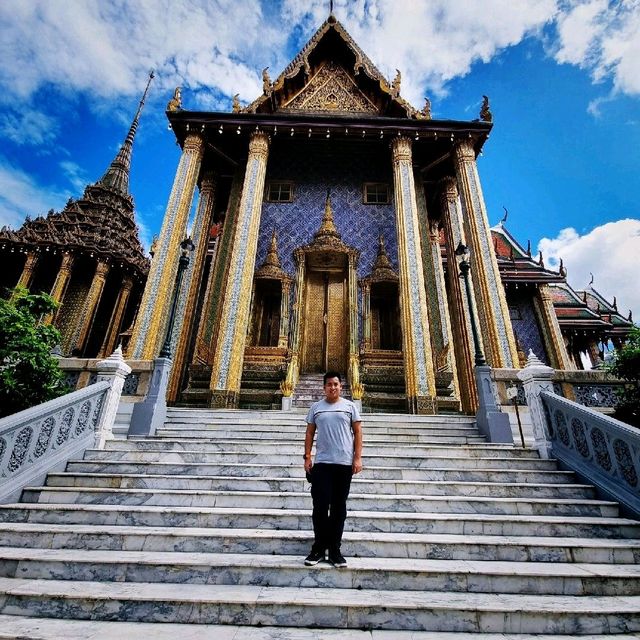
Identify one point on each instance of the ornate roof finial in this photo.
(592, 279)
(485, 112)
(117, 175)
(529, 248)
(175, 104)
(630, 318)
(272, 258)
(615, 303)
(267, 88)
(541, 260)
(235, 107)
(425, 114)
(327, 226)
(562, 270)
(395, 85)
(505, 216)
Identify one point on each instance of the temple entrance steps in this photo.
(202, 531)
(309, 389)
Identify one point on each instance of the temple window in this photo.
(375, 193)
(280, 192)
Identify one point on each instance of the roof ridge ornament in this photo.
(485, 111)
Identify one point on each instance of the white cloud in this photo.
(610, 251)
(21, 195)
(28, 127)
(604, 38)
(75, 174)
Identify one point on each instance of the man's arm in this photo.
(357, 446)
(308, 443)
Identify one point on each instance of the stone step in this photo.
(296, 471)
(51, 629)
(301, 500)
(290, 542)
(266, 447)
(455, 435)
(471, 576)
(282, 485)
(336, 608)
(471, 524)
(290, 459)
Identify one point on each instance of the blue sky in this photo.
(563, 78)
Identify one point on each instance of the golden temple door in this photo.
(325, 322)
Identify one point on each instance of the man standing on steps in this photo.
(338, 457)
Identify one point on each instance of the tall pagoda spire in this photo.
(117, 175)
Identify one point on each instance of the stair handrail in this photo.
(38, 440)
(599, 448)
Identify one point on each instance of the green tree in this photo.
(29, 374)
(626, 366)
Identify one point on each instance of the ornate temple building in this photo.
(88, 257)
(328, 216)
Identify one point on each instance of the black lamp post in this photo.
(463, 251)
(187, 246)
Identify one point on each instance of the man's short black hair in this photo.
(331, 374)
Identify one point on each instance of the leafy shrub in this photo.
(29, 374)
(626, 366)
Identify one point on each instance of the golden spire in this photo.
(327, 226)
(272, 259)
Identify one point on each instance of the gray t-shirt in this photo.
(334, 443)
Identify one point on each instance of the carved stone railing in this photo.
(602, 449)
(43, 438)
(594, 388)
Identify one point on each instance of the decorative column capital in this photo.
(434, 230)
(401, 150)
(208, 183)
(67, 263)
(127, 283)
(464, 151)
(449, 192)
(193, 143)
(102, 269)
(259, 144)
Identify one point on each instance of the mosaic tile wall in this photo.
(525, 323)
(314, 167)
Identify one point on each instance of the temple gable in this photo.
(331, 89)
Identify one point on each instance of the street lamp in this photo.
(463, 252)
(187, 246)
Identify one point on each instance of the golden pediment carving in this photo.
(331, 89)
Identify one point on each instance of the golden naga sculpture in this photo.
(175, 104)
(236, 104)
(485, 112)
(266, 82)
(425, 114)
(395, 85)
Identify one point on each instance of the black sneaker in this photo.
(314, 557)
(337, 559)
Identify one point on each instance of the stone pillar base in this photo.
(423, 405)
(224, 399)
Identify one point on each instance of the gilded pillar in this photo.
(418, 361)
(495, 323)
(148, 331)
(357, 389)
(293, 367)
(87, 312)
(60, 285)
(229, 354)
(110, 338)
(30, 264)
(366, 316)
(190, 290)
(458, 305)
(283, 338)
(553, 339)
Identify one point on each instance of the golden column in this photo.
(357, 389)
(554, 342)
(366, 316)
(60, 285)
(109, 343)
(283, 337)
(188, 297)
(461, 329)
(88, 309)
(30, 264)
(229, 355)
(148, 331)
(418, 360)
(495, 322)
(293, 367)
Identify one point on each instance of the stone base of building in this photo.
(423, 405)
(223, 399)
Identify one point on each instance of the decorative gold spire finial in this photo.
(236, 103)
(327, 226)
(175, 104)
(395, 85)
(272, 259)
(426, 110)
(266, 82)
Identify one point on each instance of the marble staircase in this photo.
(201, 533)
(309, 389)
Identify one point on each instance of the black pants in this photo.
(329, 490)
